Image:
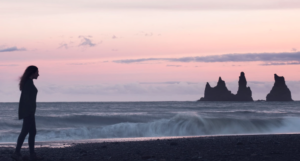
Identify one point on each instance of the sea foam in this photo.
(187, 124)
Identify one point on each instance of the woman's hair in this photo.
(28, 72)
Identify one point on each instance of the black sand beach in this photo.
(284, 147)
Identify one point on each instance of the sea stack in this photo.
(218, 93)
(244, 93)
(279, 92)
(221, 93)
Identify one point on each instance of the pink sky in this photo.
(76, 46)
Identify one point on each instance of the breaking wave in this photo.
(180, 125)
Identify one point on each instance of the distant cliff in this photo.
(280, 91)
(221, 93)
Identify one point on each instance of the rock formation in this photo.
(221, 93)
(244, 93)
(279, 92)
(218, 93)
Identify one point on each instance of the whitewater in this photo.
(98, 120)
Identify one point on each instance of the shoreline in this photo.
(64, 143)
(221, 147)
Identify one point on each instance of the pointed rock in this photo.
(220, 80)
(242, 80)
(244, 93)
(218, 93)
(280, 91)
(207, 85)
(221, 83)
(207, 89)
(221, 93)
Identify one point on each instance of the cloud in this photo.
(170, 82)
(114, 37)
(11, 49)
(82, 63)
(280, 63)
(184, 4)
(85, 41)
(143, 33)
(9, 65)
(63, 46)
(71, 6)
(128, 61)
(149, 34)
(249, 57)
(88, 63)
(197, 4)
(85, 63)
(173, 65)
(294, 50)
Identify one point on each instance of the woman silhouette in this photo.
(27, 107)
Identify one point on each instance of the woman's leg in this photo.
(24, 132)
(32, 133)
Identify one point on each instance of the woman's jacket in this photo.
(27, 104)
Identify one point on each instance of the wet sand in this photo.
(283, 147)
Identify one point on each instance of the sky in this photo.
(150, 50)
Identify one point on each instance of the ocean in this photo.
(65, 121)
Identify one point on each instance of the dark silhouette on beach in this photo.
(221, 93)
(280, 91)
(27, 108)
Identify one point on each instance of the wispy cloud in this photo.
(64, 45)
(173, 65)
(11, 49)
(249, 57)
(86, 41)
(9, 65)
(147, 34)
(198, 4)
(280, 63)
(71, 6)
(170, 82)
(188, 4)
(89, 63)
(128, 61)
